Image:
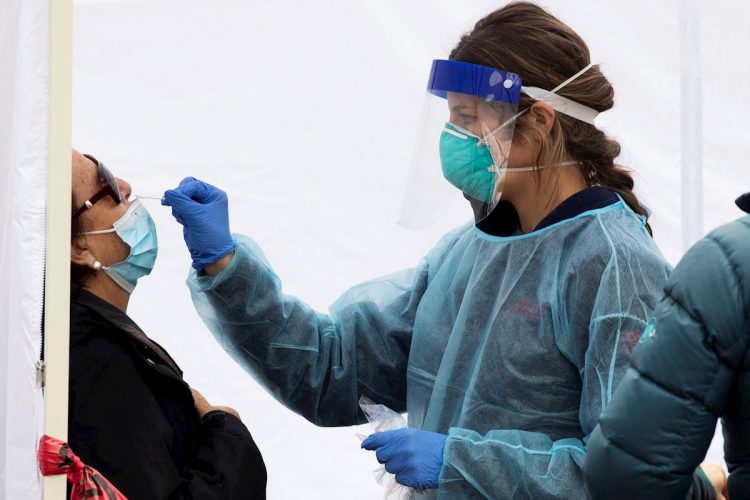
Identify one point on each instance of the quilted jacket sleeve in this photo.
(690, 368)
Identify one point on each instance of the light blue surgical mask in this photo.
(137, 229)
(467, 162)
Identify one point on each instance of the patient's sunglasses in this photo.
(109, 188)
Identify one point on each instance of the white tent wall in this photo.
(306, 113)
(24, 122)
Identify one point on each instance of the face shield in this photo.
(467, 132)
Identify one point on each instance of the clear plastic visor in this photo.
(463, 143)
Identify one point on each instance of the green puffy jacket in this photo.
(692, 366)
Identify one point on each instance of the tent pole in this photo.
(691, 106)
(57, 279)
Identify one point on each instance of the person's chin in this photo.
(478, 207)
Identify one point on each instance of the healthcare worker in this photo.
(508, 339)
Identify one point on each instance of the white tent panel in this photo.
(306, 113)
(724, 40)
(23, 176)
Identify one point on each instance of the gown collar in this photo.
(504, 221)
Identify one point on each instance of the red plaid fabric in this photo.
(56, 457)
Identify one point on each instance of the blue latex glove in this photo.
(202, 210)
(414, 456)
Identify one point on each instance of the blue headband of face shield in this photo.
(473, 79)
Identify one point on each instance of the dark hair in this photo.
(527, 40)
(78, 273)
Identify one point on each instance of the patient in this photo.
(131, 415)
(691, 367)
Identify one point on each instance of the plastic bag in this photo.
(381, 419)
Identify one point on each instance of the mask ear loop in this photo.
(532, 168)
(98, 266)
(130, 213)
(585, 69)
(101, 231)
(484, 139)
(499, 171)
(497, 168)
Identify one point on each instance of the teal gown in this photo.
(509, 345)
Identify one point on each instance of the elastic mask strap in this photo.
(563, 104)
(572, 78)
(102, 231)
(539, 167)
(461, 133)
(483, 140)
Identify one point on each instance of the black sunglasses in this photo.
(109, 188)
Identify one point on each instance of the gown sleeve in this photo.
(602, 310)
(316, 364)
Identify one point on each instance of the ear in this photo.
(79, 252)
(542, 115)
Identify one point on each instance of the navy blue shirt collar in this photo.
(504, 221)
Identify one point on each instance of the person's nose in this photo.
(125, 189)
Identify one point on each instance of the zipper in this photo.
(40, 365)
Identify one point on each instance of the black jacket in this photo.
(132, 417)
(692, 366)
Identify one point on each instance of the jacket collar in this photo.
(122, 321)
(744, 202)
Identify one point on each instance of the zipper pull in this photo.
(40, 374)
